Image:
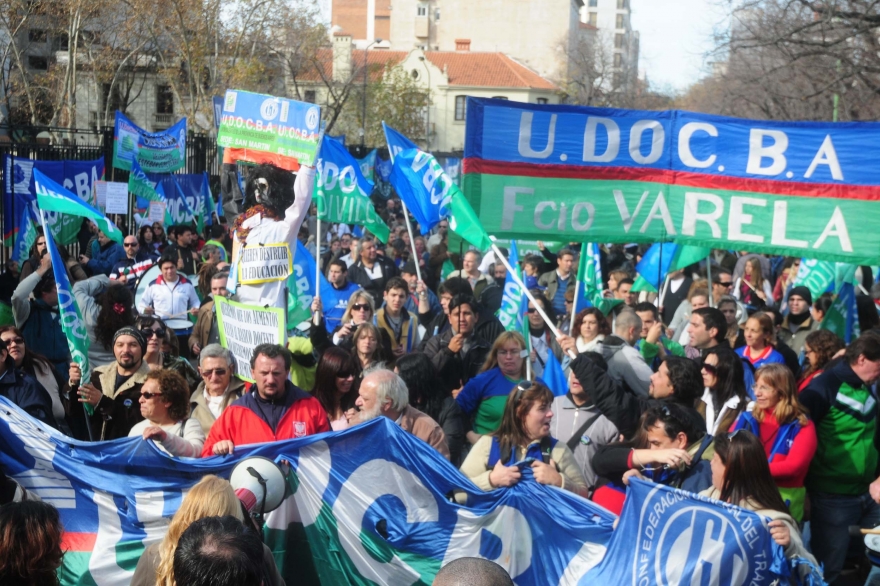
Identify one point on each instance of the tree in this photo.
(600, 75)
(796, 60)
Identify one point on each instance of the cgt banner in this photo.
(590, 174)
(156, 152)
(244, 327)
(370, 505)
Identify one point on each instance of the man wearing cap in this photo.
(798, 323)
(420, 300)
(115, 389)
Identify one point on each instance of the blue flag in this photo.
(397, 143)
(423, 186)
(510, 314)
(25, 235)
(652, 268)
(668, 536)
(383, 172)
(553, 376)
(302, 289)
(368, 164)
(52, 197)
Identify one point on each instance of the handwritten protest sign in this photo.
(244, 327)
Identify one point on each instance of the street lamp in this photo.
(427, 106)
(364, 104)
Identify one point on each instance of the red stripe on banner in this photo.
(688, 179)
(78, 541)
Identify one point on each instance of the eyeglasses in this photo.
(213, 371)
(149, 396)
(130, 244)
(148, 332)
(509, 352)
(710, 368)
(18, 341)
(361, 307)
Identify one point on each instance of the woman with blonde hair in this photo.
(483, 397)
(753, 288)
(361, 309)
(789, 438)
(760, 335)
(211, 496)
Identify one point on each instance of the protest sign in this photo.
(244, 327)
(267, 124)
(101, 195)
(602, 175)
(264, 263)
(116, 198)
(78, 177)
(157, 152)
(157, 212)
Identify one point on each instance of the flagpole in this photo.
(574, 304)
(709, 278)
(412, 242)
(538, 307)
(316, 319)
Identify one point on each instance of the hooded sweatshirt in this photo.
(626, 365)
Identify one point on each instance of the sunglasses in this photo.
(724, 283)
(668, 414)
(130, 244)
(521, 388)
(18, 341)
(710, 368)
(149, 396)
(531, 310)
(213, 371)
(361, 307)
(148, 333)
(343, 375)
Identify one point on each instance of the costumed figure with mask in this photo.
(264, 235)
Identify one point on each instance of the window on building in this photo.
(164, 100)
(593, 18)
(541, 101)
(112, 99)
(499, 97)
(310, 96)
(621, 21)
(460, 107)
(594, 3)
(616, 80)
(437, 14)
(618, 41)
(60, 42)
(422, 10)
(618, 59)
(622, 4)
(36, 35)
(37, 62)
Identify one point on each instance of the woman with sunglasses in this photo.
(361, 309)
(162, 350)
(820, 347)
(164, 405)
(724, 397)
(523, 440)
(760, 335)
(542, 339)
(159, 238)
(782, 427)
(335, 386)
(106, 306)
(484, 397)
(741, 476)
(39, 367)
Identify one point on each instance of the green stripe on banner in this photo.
(74, 570)
(636, 211)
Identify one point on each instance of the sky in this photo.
(674, 37)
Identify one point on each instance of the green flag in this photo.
(463, 221)
(52, 197)
(140, 185)
(687, 255)
(816, 275)
(589, 276)
(642, 284)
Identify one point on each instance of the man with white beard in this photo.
(384, 394)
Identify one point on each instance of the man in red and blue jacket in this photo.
(277, 410)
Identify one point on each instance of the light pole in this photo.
(427, 106)
(364, 103)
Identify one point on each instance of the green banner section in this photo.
(335, 205)
(635, 211)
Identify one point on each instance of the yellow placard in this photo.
(264, 263)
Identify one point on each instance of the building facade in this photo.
(612, 19)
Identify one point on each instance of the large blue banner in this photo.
(372, 503)
(78, 177)
(422, 185)
(156, 152)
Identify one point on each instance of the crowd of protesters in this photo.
(730, 387)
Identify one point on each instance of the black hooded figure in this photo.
(275, 204)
